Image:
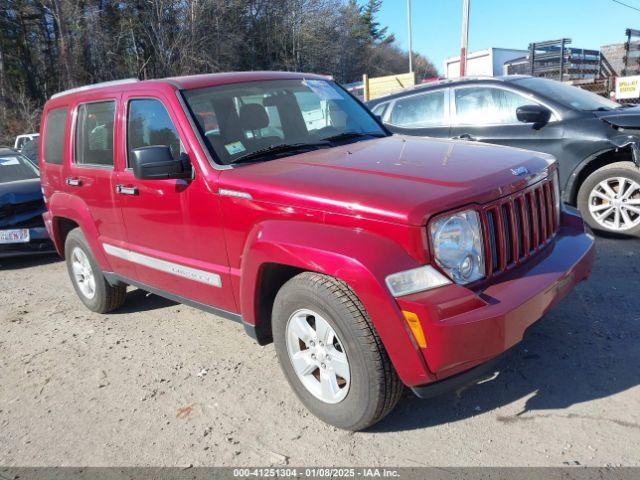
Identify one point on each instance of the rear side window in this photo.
(419, 110)
(94, 133)
(54, 129)
(148, 123)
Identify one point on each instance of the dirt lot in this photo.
(163, 384)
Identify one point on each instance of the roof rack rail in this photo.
(95, 85)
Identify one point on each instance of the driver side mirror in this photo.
(157, 163)
(536, 114)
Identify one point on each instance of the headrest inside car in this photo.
(253, 117)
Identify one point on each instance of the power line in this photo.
(626, 5)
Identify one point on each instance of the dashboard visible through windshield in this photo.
(262, 120)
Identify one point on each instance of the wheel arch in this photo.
(278, 250)
(591, 164)
(68, 212)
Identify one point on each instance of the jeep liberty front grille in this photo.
(518, 226)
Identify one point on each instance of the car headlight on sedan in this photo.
(458, 247)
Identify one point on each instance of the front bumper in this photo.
(39, 243)
(466, 328)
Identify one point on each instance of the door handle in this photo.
(464, 136)
(72, 181)
(122, 190)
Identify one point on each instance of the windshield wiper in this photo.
(281, 148)
(351, 135)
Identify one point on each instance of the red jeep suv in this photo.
(277, 200)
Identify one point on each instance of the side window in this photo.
(94, 133)
(54, 135)
(148, 123)
(379, 109)
(419, 110)
(508, 102)
(487, 106)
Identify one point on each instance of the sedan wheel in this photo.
(609, 199)
(615, 203)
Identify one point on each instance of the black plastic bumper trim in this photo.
(461, 380)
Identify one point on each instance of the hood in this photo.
(396, 179)
(20, 202)
(628, 118)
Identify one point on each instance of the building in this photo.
(615, 54)
(488, 62)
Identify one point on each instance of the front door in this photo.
(174, 231)
(487, 113)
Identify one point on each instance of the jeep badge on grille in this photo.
(519, 171)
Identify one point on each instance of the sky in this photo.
(508, 23)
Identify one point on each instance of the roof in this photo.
(212, 79)
(446, 82)
(480, 53)
(194, 81)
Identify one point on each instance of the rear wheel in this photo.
(331, 354)
(90, 284)
(609, 199)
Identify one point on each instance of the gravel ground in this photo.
(161, 384)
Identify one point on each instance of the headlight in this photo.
(416, 280)
(457, 245)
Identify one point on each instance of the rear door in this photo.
(487, 113)
(173, 226)
(90, 174)
(421, 114)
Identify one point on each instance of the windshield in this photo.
(572, 97)
(261, 120)
(16, 167)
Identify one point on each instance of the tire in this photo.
(98, 295)
(603, 214)
(373, 388)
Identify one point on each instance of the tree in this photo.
(50, 45)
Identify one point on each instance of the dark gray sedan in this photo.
(22, 230)
(596, 141)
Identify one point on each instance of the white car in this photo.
(22, 139)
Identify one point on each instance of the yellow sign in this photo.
(627, 87)
(381, 86)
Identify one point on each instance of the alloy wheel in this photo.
(614, 203)
(317, 356)
(83, 273)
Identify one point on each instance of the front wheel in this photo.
(609, 199)
(331, 354)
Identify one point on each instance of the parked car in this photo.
(22, 139)
(370, 260)
(22, 230)
(30, 150)
(595, 140)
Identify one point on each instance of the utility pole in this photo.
(409, 31)
(465, 37)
